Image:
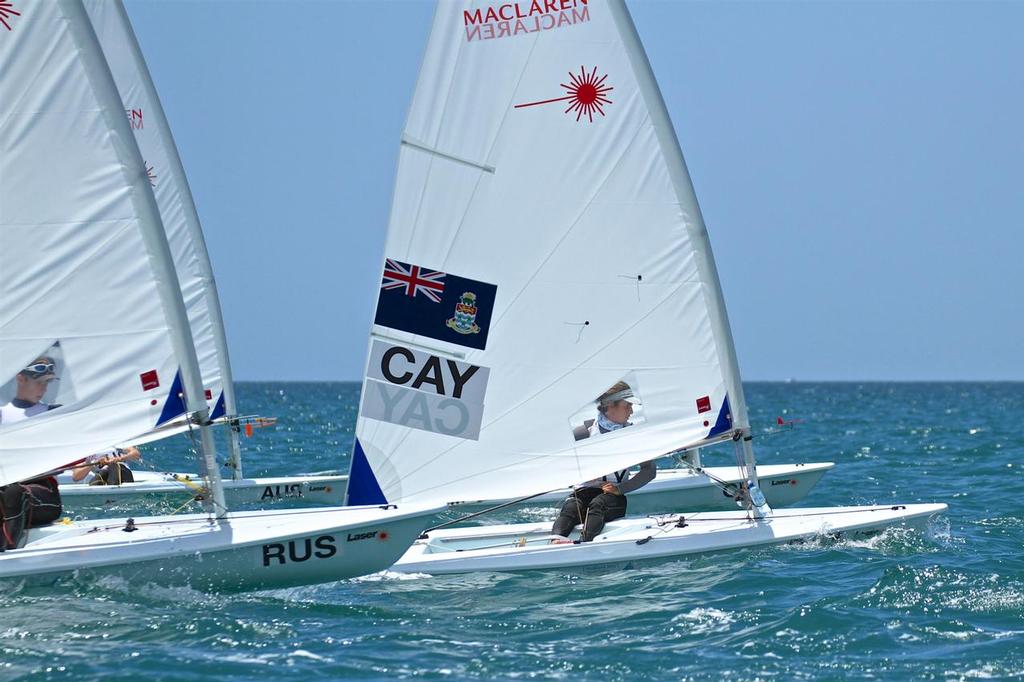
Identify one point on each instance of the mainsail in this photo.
(167, 177)
(88, 289)
(545, 250)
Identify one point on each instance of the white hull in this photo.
(527, 546)
(685, 490)
(318, 490)
(672, 490)
(248, 550)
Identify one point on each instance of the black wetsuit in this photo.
(593, 507)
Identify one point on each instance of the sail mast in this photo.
(152, 233)
(195, 231)
(688, 204)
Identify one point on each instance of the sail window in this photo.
(618, 407)
(36, 386)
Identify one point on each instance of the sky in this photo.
(858, 166)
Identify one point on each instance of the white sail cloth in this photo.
(530, 161)
(77, 276)
(173, 196)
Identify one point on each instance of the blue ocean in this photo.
(946, 604)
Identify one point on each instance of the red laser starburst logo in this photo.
(150, 174)
(6, 12)
(586, 94)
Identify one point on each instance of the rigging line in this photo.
(67, 467)
(200, 456)
(738, 456)
(741, 470)
(840, 510)
(582, 325)
(175, 478)
(181, 480)
(486, 511)
(636, 278)
(663, 527)
(187, 503)
(722, 484)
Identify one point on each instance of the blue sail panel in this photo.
(175, 405)
(220, 409)
(363, 487)
(724, 421)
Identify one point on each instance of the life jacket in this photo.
(615, 477)
(113, 474)
(11, 413)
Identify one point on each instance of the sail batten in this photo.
(577, 277)
(423, 147)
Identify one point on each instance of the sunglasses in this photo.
(41, 368)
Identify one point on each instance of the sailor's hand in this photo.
(131, 453)
(611, 489)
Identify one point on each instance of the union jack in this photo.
(414, 279)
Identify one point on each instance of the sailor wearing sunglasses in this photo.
(32, 382)
(35, 502)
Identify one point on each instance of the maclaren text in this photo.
(518, 18)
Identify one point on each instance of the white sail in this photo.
(85, 273)
(90, 295)
(538, 172)
(174, 199)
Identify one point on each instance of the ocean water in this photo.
(947, 604)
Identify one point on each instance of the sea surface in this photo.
(946, 604)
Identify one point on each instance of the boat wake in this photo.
(891, 541)
(704, 621)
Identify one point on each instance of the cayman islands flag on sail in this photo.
(435, 304)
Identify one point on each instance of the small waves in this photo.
(943, 604)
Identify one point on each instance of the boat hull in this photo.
(245, 551)
(672, 490)
(522, 547)
(686, 490)
(313, 490)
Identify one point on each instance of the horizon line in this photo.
(746, 381)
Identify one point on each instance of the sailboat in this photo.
(92, 312)
(195, 275)
(546, 251)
